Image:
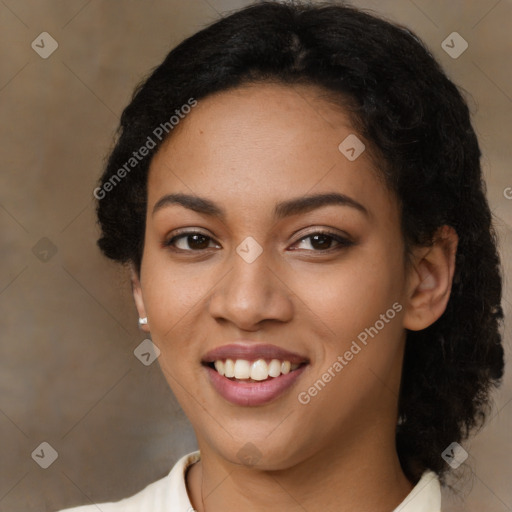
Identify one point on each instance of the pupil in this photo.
(199, 245)
(323, 243)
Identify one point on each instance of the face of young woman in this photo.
(255, 269)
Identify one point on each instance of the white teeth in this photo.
(242, 369)
(257, 370)
(229, 368)
(219, 366)
(274, 368)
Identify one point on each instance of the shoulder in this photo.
(158, 496)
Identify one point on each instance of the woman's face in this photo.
(256, 276)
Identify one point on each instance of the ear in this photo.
(137, 296)
(429, 280)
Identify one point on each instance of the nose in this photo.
(251, 293)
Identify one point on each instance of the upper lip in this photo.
(252, 351)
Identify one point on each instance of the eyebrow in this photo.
(286, 208)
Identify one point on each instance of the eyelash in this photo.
(342, 241)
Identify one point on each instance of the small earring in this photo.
(143, 321)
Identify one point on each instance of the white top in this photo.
(170, 494)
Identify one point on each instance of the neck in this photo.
(362, 475)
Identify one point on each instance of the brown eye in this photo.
(190, 241)
(321, 241)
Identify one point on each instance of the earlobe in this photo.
(139, 300)
(430, 280)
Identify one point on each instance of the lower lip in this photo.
(252, 393)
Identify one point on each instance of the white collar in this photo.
(170, 493)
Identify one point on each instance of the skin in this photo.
(247, 149)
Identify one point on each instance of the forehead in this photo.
(262, 140)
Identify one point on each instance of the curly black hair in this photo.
(414, 118)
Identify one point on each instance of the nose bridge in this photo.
(250, 281)
(250, 292)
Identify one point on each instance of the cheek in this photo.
(174, 283)
(352, 293)
(172, 296)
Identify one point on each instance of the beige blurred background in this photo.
(68, 374)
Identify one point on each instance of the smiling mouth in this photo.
(259, 370)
